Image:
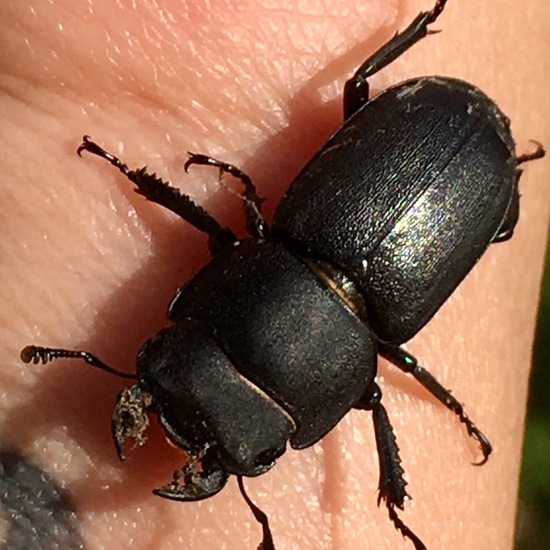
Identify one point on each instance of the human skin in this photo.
(88, 264)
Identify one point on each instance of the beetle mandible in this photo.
(367, 243)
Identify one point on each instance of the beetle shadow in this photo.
(85, 397)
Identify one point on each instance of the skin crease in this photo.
(87, 263)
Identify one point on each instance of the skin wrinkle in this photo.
(135, 50)
(121, 298)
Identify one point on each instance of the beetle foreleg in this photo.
(408, 364)
(261, 518)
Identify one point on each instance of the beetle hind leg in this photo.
(356, 90)
(538, 153)
(408, 364)
(391, 485)
(506, 229)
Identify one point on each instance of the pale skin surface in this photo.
(88, 264)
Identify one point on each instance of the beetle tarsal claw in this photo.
(130, 420)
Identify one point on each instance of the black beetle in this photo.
(276, 338)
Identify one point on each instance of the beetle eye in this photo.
(267, 457)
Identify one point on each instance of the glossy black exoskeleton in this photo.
(276, 338)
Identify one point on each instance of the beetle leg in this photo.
(391, 485)
(156, 190)
(538, 153)
(190, 484)
(506, 230)
(261, 518)
(356, 89)
(408, 364)
(255, 223)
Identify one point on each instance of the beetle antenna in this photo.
(38, 354)
(261, 517)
